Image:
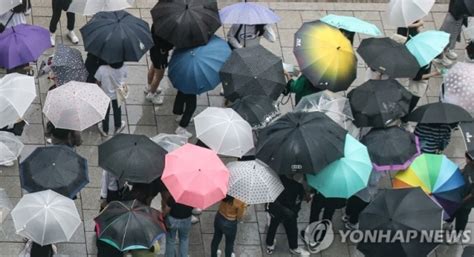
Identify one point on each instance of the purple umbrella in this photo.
(247, 13)
(22, 44)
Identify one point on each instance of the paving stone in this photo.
(140, 115)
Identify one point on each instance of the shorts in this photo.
(159, 58)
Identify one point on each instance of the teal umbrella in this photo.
(346, 176)
(351, 24)
(427, 45)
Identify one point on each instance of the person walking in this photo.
(59, 6)
(240, 35)
(185, 106)
(42, 251)
(300, 86)
(110, 78)
(434, 138)
(325, 205)
(230, 211)
(15, 16)
(92, 64)
(58, 136)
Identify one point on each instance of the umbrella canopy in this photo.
(22, 44)
(57, 167)
(325, 56)
(352, 24)
(437, 176)
(345, 176)
(17, 92)
(91, 7)
(458, 86)
(170, 142)
(186, 23)
(301, 142)
(195, 176)
(400, 210)
(247, 13)
(76, 105)
(378, 102)
(439, 113)
(46, 217)
(133, 158)
(6, 5)
(252, 71)
(196, 70)
(253, 182)
(388, 57)
(257, 110)
(68, 65)
(391, 148)
(427, 45)
(10, 147)
(224, 131)
(402, 13)
(129, 225)
(469, 6)
(5, 205)
(116, 37)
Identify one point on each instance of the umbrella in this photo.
(253, 182)
(17, 92)
(437, 176)
(325, 56)
(22, 44)
(351, 24)
(402, 13)
(388, 57)
(129, 225)
(395, 211)
(378, 102)
(439, 113)
(345, 176)
(458, 86)
(10, 147)
(224, 131)
(247, 13)
(133, 158)
(117, 37)
(76, 105)
(91, 7)
(468, 251)
(68, 65)
(170, 142)
(301, 142)
(257, 110)
(195, 176)
(186, 23)
(46, 217)
(391, 148)
(469, 6)
(427, 45)
(5, 205)
(57, 167)
(196, 70)
(252, 71)
(6, 5)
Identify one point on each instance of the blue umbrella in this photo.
(427, 45)
(247, 13)
(196, 70)
(351, 24)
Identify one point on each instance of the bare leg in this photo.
(151, 74)
(158, 76)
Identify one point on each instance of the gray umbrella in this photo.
(68, 65)
(252, 71)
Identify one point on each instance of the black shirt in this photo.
(292, 195)
(179, 211)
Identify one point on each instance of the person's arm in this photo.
(104, 183)
(165, 197)
(231, 36)
(431, 74)
(98, 75)
(269, 34)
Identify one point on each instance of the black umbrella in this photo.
(400, 210)
(68, 65)
(468, 251)
(57, 168)
(391, 149)
(439, 113)
(252, 71)
(377, 102)
(186, 23)
(301, 142)
(388, 57)
(129, 225)
(117, 36)
(133, 158)
(257, 110)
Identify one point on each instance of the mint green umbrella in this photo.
(427, 45)
(346, 176)
(352, 24)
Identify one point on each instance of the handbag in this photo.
(122, 94)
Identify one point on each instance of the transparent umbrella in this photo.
(170, 142)
(10, 147)
(459, 86)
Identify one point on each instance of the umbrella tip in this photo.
(339, 47)
(187, 6)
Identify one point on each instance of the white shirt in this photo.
(111, 79)
(248, 34)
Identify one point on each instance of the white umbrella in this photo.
(6, 5)
(402, 13)
(224, 131)
(46, 217)
(170, 142)
(91, 7)
(253, 182)
(459, 86)
(10, 147)
(17, 92)
(5, 205)
(76, 105)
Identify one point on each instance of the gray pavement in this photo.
(144, 118)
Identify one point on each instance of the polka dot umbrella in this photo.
(459, 86)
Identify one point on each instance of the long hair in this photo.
(228, 199)
(260, 29)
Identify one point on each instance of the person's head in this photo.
(260, 29)
(116, 65)
(228, 199)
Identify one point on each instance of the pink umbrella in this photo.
(195, 176)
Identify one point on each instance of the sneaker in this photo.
(443, 61)
(49, 141)
(194, 219)
(271, 248)
(147, 89)
(118, 130)
(451, 54)
(55, 248)
(299, 251)
(52, 39)
(345, 218)
(8, 164)
(183, 132)
(178, 118)
(197, 211)
(232, 255)
(101, 131)
(72, 36)
(158, 99)
(219, 253)
(350, 226)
